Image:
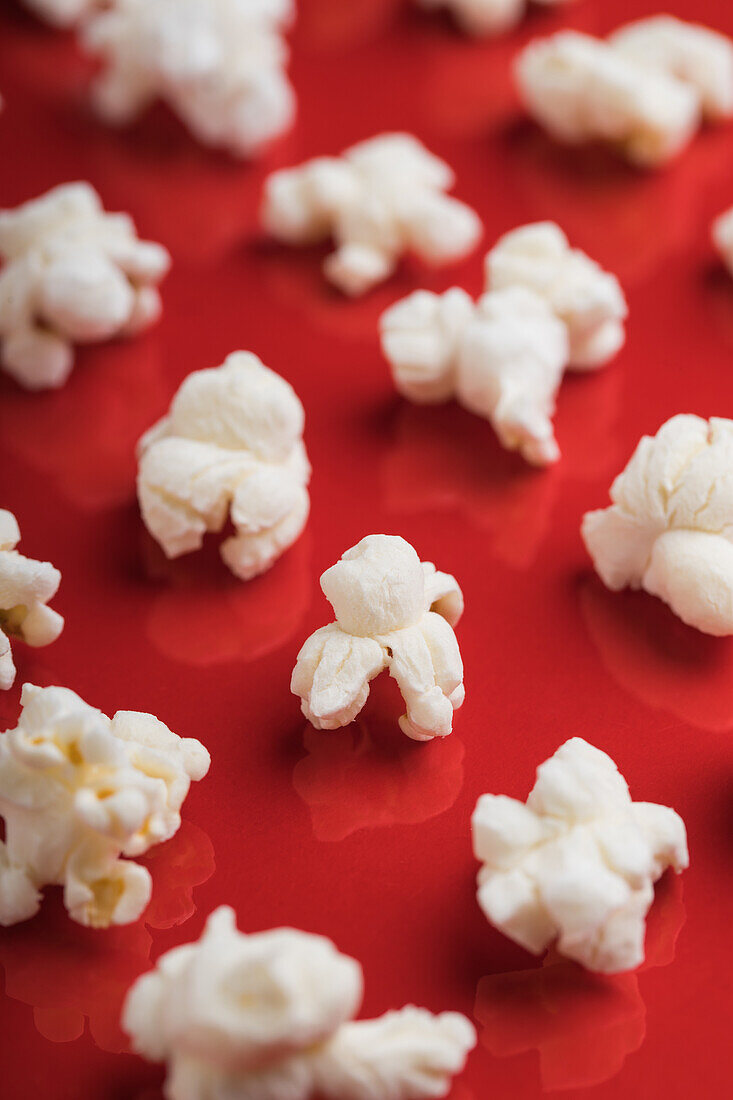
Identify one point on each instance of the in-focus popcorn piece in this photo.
(577, 862)
(392, 611)
(219, 64)
(26, 586)
(72, 274)
(231, 447)
(669, 528)
(723, 237)
(379, 199)
(487, 17)
(269, 1016)
(77, 791)
(547, 307)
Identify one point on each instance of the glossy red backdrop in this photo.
(362, 835)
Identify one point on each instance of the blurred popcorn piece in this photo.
(72, 274)
(669, 529)
(392, 611)
(378, 200)
(26, 586)
(269, 1016)
(723, 237)
(77, 792)
(62, 13)
(576, 864)
(487, 17)
(231, 448)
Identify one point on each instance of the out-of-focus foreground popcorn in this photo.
(231, 447)
(77, 791)
(487, 17)
(62, 13)
(723, 238)
(669, 527)
(269, 1016)
(547, 307)
(392, 611)
(219, 64)
(645, 89)
(577, 862)
(378, 200)
(26, 586)
(72, 274)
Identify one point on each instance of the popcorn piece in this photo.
(723, 237)
(77, 791)
(577, 862)
(231, 447)
(548, 307)
(669, 528)
(392, 611)
(219, 64)
(72, 274)
(26, 586)
(269, 1017)
(487, 17)
(378, 200)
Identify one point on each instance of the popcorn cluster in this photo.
(668, 529)
(645, 89)
(547, 307)
(378, 200)
(487, 17)
(269, 1016)
(72, 275)
(723, 238)
(26, 586)
(219, 64)
(392, 611)
(77, 791)
(576, 864)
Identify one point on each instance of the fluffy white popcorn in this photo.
(269, 1016)
(26, 586)
(219, 64)
(379, 199)
(77, 791)
(486, 17)
(72, 274)
(231, 447)
(723, 237)
(576, 864)
(392, 611)
(669, 529)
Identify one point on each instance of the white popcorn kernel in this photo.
(219, 64)
(72, 274)
(26, 586)
(231, 447)
(269, 1016)
(487, 17)
(722, 234)
(577, 863)
(392, 611)
(77, 792)
(379, 199)
(669, 527)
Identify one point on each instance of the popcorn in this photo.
(723, 237)
(379, 199)
(231, 447)
(73, 274)
(576, 864)
(547, 307)
(219, 64)
(269, 1016)
(392, 611)
(77, 791)
(26, 586)
(479, 17)
(668, 529)
(62, 13)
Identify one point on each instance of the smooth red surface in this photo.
(363, 835)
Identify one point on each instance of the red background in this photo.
(363, 835)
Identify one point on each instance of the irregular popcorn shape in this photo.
(379, 199)
(547, 308)
(576, 863)
(72, 274)
(487, 17)
(392, 611)
(644, 89)
(231, 447)
(219, 64)
(78, 791)
(669, 529)
(26, 586)
(723, 237)
(62, 13)
(269, 1016)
